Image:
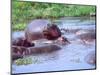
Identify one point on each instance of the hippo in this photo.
(62, 41)
(49, 48)
(41, 28)
(90, 58)
(36, 30)
(16, 56)
(20, 51)
(22, 41)
(87, 38)
(18, 39)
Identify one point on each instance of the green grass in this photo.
(24, 61)
(19, 26)
(27, 61)
(23, 12)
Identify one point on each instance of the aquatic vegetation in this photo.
(27, 60)
(24, 61)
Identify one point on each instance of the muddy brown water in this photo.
(71, 56)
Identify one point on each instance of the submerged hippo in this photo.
(87, 38)
(43, 49)
(20, 51)
(90, 58)
(37, 29)
(41, 28)
(62, 41)
(19, 39)
(16, 56)
(22, 42)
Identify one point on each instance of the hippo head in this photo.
(21, 42)
(51, 32)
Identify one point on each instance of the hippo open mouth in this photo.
(52, 32)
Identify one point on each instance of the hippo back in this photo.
(35, 28)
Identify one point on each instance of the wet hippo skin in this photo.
(16, 56)
(62, 41)
(87, 37)
(37, 29)
(18, 39)
(44, 49)
(20, 51)
(41, 28)
(90, 58)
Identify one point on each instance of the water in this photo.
(70, 57)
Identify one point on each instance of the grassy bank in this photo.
(23, 12)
